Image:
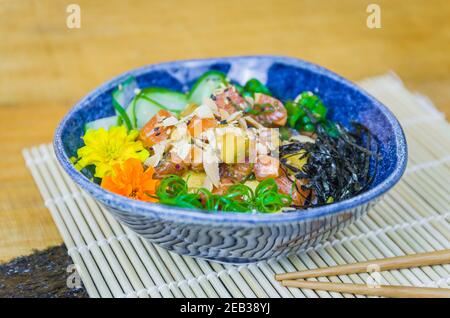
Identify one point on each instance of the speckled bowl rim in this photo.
(179, 214)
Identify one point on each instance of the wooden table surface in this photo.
(46, 67)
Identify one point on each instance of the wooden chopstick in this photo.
(383, 291)
(422, 259)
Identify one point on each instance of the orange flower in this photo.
(132, 181)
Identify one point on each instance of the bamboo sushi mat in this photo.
(414, 217)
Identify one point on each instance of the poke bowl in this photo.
(237, 228)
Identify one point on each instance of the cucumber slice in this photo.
(105, 123)
(122, 96)
(125, 92)
(206, 85)
(168, 99)
(144, 109)
(131, 113)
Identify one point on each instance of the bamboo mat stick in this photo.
(176, 268)
(413, 216)
(146, 259)
(321, 262)
(290, 264)
(203, 286)
(127, 255)
(237, 278)
(433, 183)
(395, 234)
(215, 281)
(318, 263)
(435, 190)
(131, 253)
(134, 247)
(229, 281)
(234, 283)
(275, 267)
(269, 289)
(348, 279)
(305, 262)
(175, 272)
(175, 276)
(383, 291)
(402, 236)
(187, 274)
(368, 251)
(164, 273)
(269, 273)
(397, 246)
(342, 257)
(253, 282)
(202, 267)
(153, 250)
(432, 236)
(131, 241)
(175, 260)
(206, 284)
(364, 249)
(415, 234)
(429, 196)
(293, 263)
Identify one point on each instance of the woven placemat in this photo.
(414, 217)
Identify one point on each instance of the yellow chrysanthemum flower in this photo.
(106, 148)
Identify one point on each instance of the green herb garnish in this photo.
(173, 190)
(306, 112)
(254, 86)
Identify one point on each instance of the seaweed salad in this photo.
(224, 146)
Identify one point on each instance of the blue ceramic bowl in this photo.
(231, 237)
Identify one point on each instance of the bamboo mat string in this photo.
(414, 217)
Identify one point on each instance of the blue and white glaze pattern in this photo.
(231, 237)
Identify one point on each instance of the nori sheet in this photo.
(42, 274)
